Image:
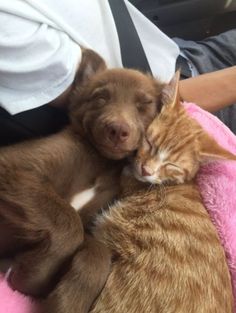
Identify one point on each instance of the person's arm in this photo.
(211, 91)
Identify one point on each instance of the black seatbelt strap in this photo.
(182, 64)
(132, 52)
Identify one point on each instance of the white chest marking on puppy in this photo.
(82, 198)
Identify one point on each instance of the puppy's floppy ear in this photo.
(170, 92)
(90, 64)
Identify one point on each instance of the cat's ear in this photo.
(211, 150)
(170, 92)
(91, 64)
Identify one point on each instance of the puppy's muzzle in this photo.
(117, 133)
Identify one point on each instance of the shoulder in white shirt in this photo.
(40, 47)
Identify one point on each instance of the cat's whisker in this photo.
(148, 189)
(151, 187)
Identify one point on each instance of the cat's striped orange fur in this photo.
(167, 254)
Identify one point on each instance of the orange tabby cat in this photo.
(167, 254)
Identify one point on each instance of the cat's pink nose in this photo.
(144, 171)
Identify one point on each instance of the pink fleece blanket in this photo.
(14, 302)
(217, 182)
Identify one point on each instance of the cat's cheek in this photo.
(181, 179)
(177, 179)
(139, 177)
(136, 169)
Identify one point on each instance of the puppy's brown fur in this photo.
(115, 100)
(39, 178)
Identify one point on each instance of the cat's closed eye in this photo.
(172, 166)
(174, 172)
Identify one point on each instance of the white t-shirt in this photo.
(40, 46)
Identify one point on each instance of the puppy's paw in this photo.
(25, 280)
(81, 285)
(32, 273)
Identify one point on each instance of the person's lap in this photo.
(34, 123)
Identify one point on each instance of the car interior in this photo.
(187, 19)
(190, 19)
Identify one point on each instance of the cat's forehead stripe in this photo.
(150, 132)
(163, 155)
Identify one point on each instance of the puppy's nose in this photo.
(118, 132)
(144, 171)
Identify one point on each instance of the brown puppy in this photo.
(113, 109)
(40, 180)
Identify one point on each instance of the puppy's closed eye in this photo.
(101, 95)
(143, 100)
